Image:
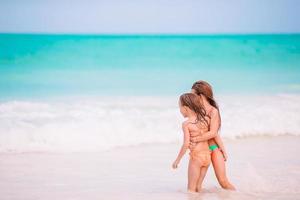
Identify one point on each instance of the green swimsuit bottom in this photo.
(213, 147)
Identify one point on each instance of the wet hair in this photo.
(194, 102)
(205, 89)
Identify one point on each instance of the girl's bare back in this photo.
(198, 129)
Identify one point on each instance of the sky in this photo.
(150, 16)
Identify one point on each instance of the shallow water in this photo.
(260, 167)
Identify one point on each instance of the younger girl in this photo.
(197, 123)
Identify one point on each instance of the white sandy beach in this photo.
(260, 167)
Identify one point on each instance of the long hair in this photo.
(204, 88)
(193, 102)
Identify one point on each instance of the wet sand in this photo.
(260, 167)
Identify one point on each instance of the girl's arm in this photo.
(185, 145)
(213, 128)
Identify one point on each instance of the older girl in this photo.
(219, 156)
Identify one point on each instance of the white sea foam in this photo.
(95, 124)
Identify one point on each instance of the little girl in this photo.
(197, 123)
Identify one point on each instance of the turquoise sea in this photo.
(70, 93)
(41, 66)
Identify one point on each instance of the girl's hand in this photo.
(175, 164)
(224, 154)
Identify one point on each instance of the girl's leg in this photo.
(193, 175)
(220, 170)
(203, 171)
